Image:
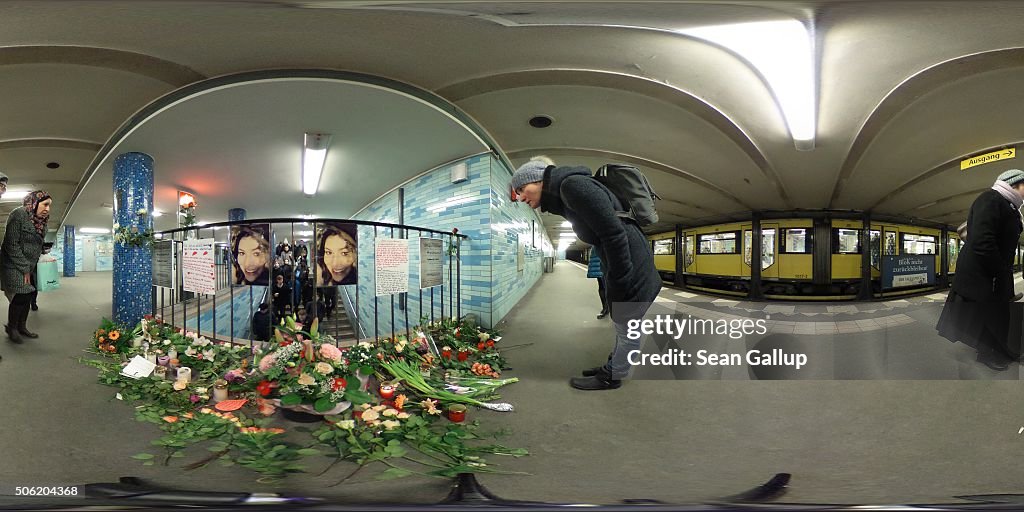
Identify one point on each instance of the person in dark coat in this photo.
(631, 279)
(977, 309)
(282, 296)
(22, 246)
(594, 272)
(261, 323)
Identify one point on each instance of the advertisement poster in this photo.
(392, 266)
(197, 265)
(250, 254)
(337, 262)
(431, 262)
(901, 271)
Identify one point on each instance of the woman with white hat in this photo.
(977, 310)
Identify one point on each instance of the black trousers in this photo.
(17, 312)
(601, 292)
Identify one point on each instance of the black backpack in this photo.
(633, 190)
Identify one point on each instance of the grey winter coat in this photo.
(21, 250)
(627, 262)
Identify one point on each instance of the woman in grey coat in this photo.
(23, 243)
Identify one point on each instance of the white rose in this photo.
(346, 424)
(391, 424)
(200, 391)
(324, 368)
(167, 342)
(389, 413)
(403, 416)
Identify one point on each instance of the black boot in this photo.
(13, 335)
(23, 323)
(602, 314)
(599, 381)
(35, 307)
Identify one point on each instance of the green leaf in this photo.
(324, 405)
(393, 473)
(143, 456)
(358, 397)
(290, 400)
(308, 451)
(147, 463)
(325, 436)
(366, 370)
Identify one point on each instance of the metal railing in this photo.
(344, 315)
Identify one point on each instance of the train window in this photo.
(796, 241)
(664, 247)
(845, 241)
(690, 249)
(719, 243)
(767, 247)
(876, 248)
(890, 243)
(919, 244)
(954, 251)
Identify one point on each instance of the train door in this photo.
(769, 250)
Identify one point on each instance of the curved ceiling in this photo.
(903, 91)
(240, 145)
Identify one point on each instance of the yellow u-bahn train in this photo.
(810, 258)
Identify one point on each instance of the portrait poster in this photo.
(250, 254)
(336, 261)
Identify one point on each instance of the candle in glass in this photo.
(185, 374)
(160, 373)
(457, 413)
(387, 391)
(163, 360)
(220, 390)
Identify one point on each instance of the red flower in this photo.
(339, 383)
(490, 343)
(285, 343)
(455, 231)
(463, 355)
(264, 388)
(480, 346)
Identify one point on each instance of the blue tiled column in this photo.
(236, 214)
(133, 266)
(69, 251)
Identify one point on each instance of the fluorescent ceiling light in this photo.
(314, 155)
(448, 203)
(94, 231)
(304, 233)
(783, 53)
(15, 194)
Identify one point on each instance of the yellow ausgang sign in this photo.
(995, 156)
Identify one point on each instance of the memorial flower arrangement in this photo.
(415, 423)
(307, 369)
(132, 235)
(112, 338)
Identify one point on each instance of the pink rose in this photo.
(267, 362)
(330, 352)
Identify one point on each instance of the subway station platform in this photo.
(678, 441)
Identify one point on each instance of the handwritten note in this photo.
(392, 266)
(197, 265)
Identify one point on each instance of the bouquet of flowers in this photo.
(112, 338)
(308, 373)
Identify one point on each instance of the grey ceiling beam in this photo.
(165, 71)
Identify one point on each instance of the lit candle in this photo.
(137, 342)
(185, 374)
(220, 390)
(387, 391)
(457, 413)
(173, 363)
(463, 355)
